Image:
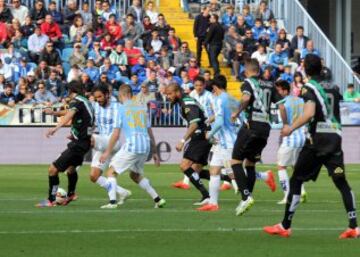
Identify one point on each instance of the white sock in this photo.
(186, 180)
(112, 188)
(145, 184)
(226, 182)
(284, 181)
(262, 175)
(214, 188)
(235, 186)
(303, 189)
(103, 182)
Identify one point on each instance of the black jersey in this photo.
(192, 112)
(83, 120)
(257, 113)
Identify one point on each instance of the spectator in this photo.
(351, 95)
(14, 26)
(106, 11)
(229, 18)
(114, 29)
(285, 43)
(193, 70)
(214, 7)
(152, 83)
(3, 34)
(309, 50)
(107, 44)
(170, 78)
(173, 41)
(78, 28)
(112, 71)
(118, 57)
(74, 74)
(99, 28)
(31, 81)
(241, 26)
(28, 28)
(297, 84)
(50, 55)
(298, 43)
(135, 84)
(6, 69)
(286, 75)
(145, 96)
(186, 85)
(55, 85)
(21, 95)
(230, 40)
(140, 69)
(136, 11)
(150, 11)
(86, 14)
(51, 29)
(213, 40)
(92, 71)
(156, 43)
(273, 32)
(357, 68)
(19, 42)
(55, 14)
(22, 69)
(21, 82)
(39, 12)
(261, 56)
(2, 83)
(7, 97)
(268, 74)
(5, 13)
(165, 60)
(42, 72)
(250, 44)
(183, 56)
(264, 13)
(87, 84)
(148, 27)
(258, 29)
(78, 56)
(43, 96)
(278, 60)
(162, 27)
(161, 99)
(18, 11)
(132, 53)
(249, 18)
(97, 54)
(239, 58)
(70, 12)
(98, 11)
(88, 40)
(131, 29)
(201, 25)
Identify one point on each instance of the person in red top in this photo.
(3, 33)
(51, 29)
(107, 44)
(132, 53)
(113, 28)
(193, 70)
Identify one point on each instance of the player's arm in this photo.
(67, 118)
(113, 139)
(153, 146)
(190, 131)
(246, 91)
(283, 115)
(60, 113)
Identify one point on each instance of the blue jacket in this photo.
(135, 87)
(250, 21)
(287, 77)
(227, 20)
(258, 32)
(93, 73)
(57, 17)
(273, 35)
(276, 59)
(305, 52)
(112, 73)
(140, 70)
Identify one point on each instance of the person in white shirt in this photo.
(151, 12)
(36, 44)
(261, 55)
(19, 11)
(6, 69)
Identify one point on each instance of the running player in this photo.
(106, 113)
(291, 107)
(323, 147)
(133, 154)
(197, 150)
(81, 116)
(257, 96)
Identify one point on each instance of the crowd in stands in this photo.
(41, 50)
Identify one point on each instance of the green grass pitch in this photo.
(137, 229)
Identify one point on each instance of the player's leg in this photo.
(72, 175)
(112, 179)
(336, 169)
(267, 177)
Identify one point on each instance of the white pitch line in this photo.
(141, 230)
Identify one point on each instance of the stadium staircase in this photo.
(183, 25)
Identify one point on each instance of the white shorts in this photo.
(221, 157)
(287, 156)
(123, 161)
(101, 143)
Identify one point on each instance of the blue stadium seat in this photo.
(66, 53)
(66, 67)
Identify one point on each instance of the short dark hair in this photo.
(350, 85)
(125, 89)
(130, 15)
(313, 65)
(252, 65)
(103, 89)
(216, 17)
(299, 27)
(76, 87)
(219, 81)
(283, 84)
(199, 78)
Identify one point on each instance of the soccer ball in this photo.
(61, 196)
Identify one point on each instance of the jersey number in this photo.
(263, 101)
(136, 119)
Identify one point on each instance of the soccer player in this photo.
(323, 147)
(81, 115)
(257, 96)
(106, 113)
(290, 107)
(133, 120)
(197, 149)
(225, 130)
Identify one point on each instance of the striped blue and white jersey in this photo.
(105, 117)
(133, 121)
(226, 135)
(294, 107)
(206, 100)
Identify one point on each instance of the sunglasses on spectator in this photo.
(49, 46)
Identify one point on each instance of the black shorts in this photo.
(73, 156)
(248, 145)
(197, 151)
(310, 161)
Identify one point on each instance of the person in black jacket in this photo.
(298, 43)
(5, 13)
(201, 25)
(39, 12)
(213, 40)
(50, 55)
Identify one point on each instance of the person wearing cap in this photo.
(31, 81)
(171, 78)
(36, 44)
(92, 71)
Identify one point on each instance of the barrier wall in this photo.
(29, 145)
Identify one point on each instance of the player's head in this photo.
(282, 87)
(101, 95)
(252, 68)
(219, 84)
(313, 65)
(125, 93)
(173, 92)
(75, 88)
(199, 84)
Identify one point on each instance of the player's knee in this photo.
(338, 177)
(93, 177)
(52, 170)
(135, 177)
(184, 166)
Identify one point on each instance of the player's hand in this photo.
(286, 131)
(50, 132)
(48, 111)
(156, 159)
(179, 146)
(234, 116)
(104, 157)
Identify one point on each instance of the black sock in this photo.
(225, 178)
(293, 201)
(348, 199)
(195, 180)
(241, 180)
(157, 199)
(205, 174)
(53, 187)
(72, 181)
(251, 177)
